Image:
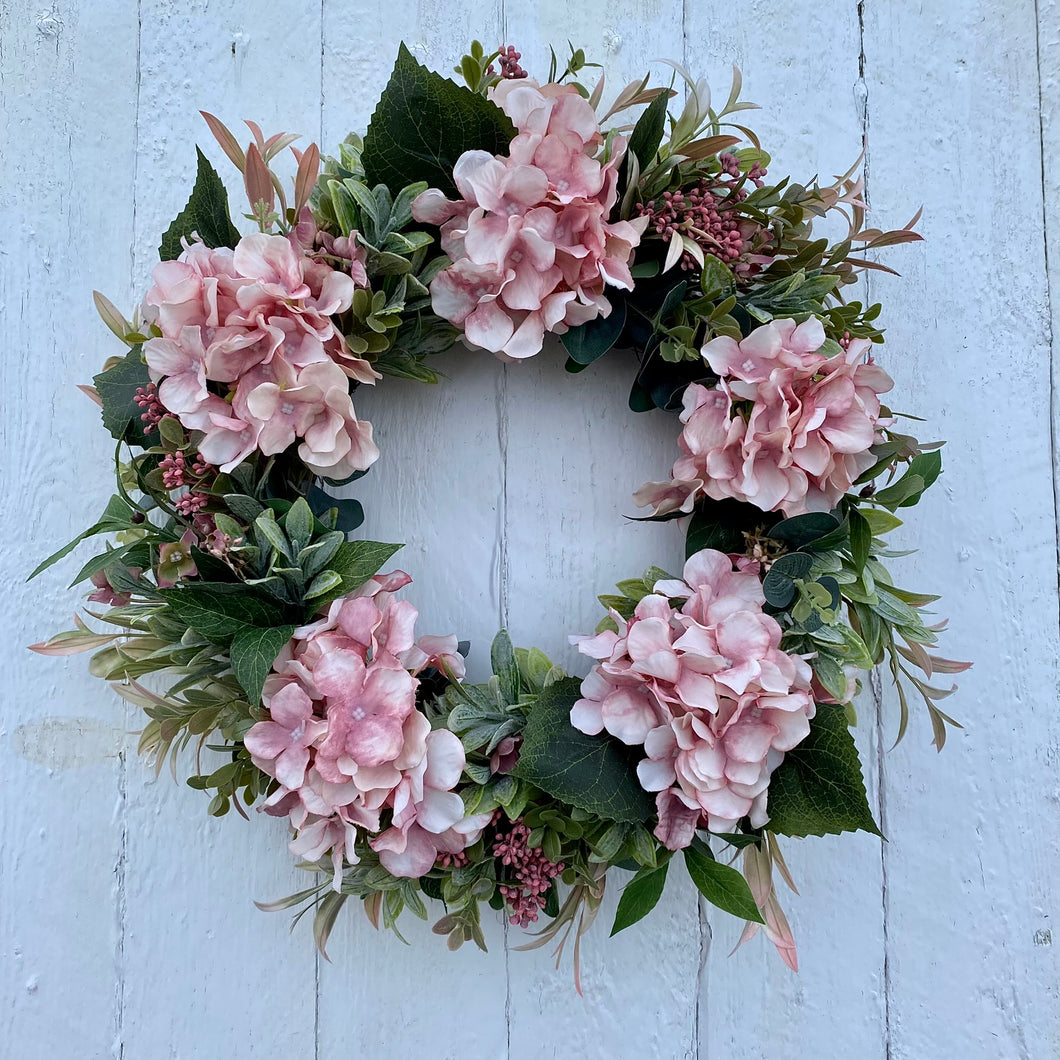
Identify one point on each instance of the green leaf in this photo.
(298, 524)
(253, 652)
(720, 525)
(350, 512)
(860, 538)
(246, 508)
(502, 660)
(928, 466)
(648, 132)
(640, 897)
(721, 885)
(218, 611)
(423, 123)
(594, 773)
(115, 517)
(205, 213)
(117, 388)
(818, 789)
(801, 530)
(355, 562)
(778, 586)
(591, 340)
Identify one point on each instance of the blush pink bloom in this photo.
(346, 742)
(786, 428)
(531, 246)
(697, 677)
(238, 327)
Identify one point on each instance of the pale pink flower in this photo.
(531, 246)
(697, 677)
(786, 428)
(425, 809)
(254, 322)
(346, 742)
(282, 743)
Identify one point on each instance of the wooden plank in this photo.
(194, 935)
(800, 64)
(574, 454)
(61, 829)
(438, 488)
(972, 858)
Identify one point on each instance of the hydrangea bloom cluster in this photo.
(704, 686)
(529, 238)
(345, 741)
(787, 428)
(249, 354)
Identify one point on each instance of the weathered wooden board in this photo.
(126, 923)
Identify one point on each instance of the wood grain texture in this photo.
(126, 923)
(61, 744)
(193, 933)
(811, 123)
(974, 833)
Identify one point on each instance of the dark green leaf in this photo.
(928, 466)
(648, 132)
(640, 897)
(721, 885)
(778, 585)
(219, 611)
(594, 773)
(205, 213)
(587, 342)
(355, 562)
(818, 789)
(351, 513)
(423, 123)
(800, 530)
(720, 525)
(253, 652)
(860, 538)
(117, 388)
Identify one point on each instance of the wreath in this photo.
(716, 714)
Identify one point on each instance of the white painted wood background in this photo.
(126, 923)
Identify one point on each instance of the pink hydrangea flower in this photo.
(697, 677)
(257, 324)
(531, 246)
(786, 428)
(346, 742)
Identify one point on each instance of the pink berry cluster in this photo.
(509, 60)
(705, 214)
(174, 468)
(531, 870)
(177, 472)
(445, 860)
(147, 398)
